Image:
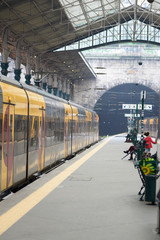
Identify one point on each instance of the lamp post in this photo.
(143, 96)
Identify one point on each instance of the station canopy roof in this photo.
(42, 26)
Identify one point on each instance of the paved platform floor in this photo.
(91, 197)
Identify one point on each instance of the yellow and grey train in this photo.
(37, 129)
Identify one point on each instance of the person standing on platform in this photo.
(149, 142)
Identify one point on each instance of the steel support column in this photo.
(60, 86)
(28, 69)
(67, 90)
(17, 70)
(44, 85)
(37, 75)
(50, 80)
(64, 88)
(55, 84)
(5, 53)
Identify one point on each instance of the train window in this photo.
(20, 134)
(10, 127)
(62, 127)
(54, 123)
(52, 127)
(57, 126)
(20, 128)
(1, 115)
(61, 124)
(33, 133)
(47, 131)
(8, 124)
(5, 127)
(74, 125)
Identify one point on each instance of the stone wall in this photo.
(113, 72)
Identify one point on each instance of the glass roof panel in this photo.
(126, 3)
(156, 6)
(125, 31)
(93, 7)
(74, 12)
(84, 12)
(93, 10)
(110, 6)
(143, 3)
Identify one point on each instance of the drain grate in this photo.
(80, 179)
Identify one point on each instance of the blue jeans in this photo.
(148, 149)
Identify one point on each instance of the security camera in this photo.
(150, 1)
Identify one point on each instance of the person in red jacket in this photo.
(149, 142)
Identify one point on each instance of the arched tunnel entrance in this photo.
(109, 106)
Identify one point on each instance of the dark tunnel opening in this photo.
(112, 118)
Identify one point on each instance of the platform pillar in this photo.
(50, 81)
(17, 70)
(45, 77)
(55, 84)
(17, 73)
(28, 69)
(50, 88)
(67, 90)
(67, 97)
(37, 69)
(55, 91)
(60, 93)
(44, 85)
(64, 88)
(5, 53)
(4, 66)
(60, 86)
(64, 95)
(28, 79)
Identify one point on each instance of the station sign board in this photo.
(133, 106)
(131, 115)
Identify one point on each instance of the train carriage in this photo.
(13, 137)
(37, 129)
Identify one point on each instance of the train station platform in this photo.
(92, 196)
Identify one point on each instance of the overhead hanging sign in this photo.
(131, 115)
(133, 106)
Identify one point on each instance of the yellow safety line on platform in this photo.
(20, 209)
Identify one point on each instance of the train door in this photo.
(66, 134)
(76, 133)
(7, 145)
(86, 128)
(41, 142)
(67, 131)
